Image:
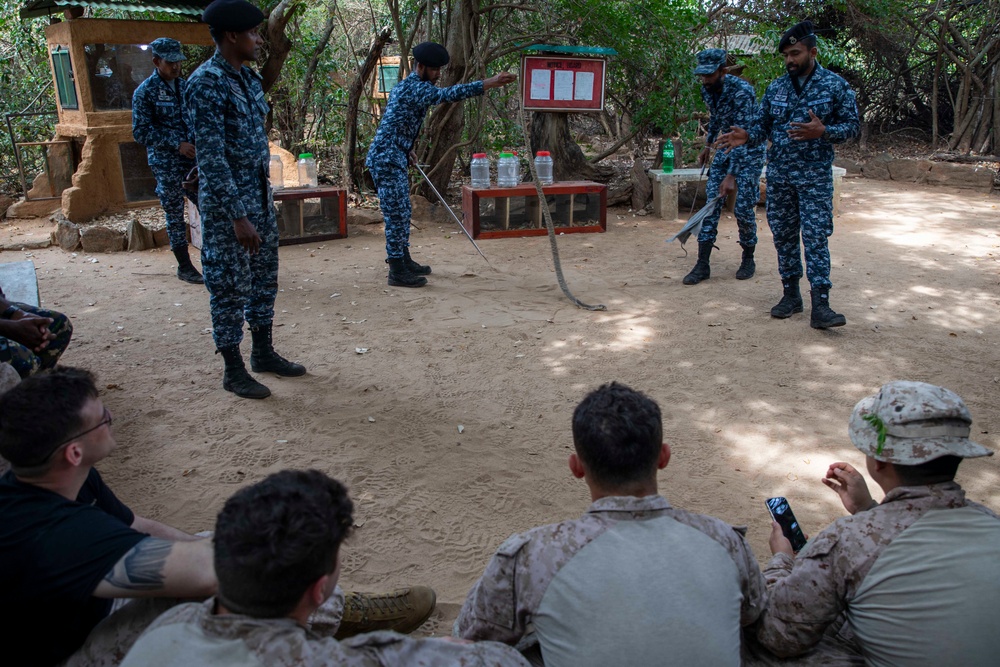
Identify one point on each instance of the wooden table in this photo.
(576, 207)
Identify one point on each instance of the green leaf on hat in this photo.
(879, 426)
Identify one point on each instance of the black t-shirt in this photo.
(53, 553)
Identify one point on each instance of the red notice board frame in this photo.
(533, 69)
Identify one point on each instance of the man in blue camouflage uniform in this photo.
(392, 150)
(160, 124)
(730, 101)
(226, 111)
(803, 113)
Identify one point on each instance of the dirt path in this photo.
(452, 430)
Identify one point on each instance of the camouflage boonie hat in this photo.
(168, 49)
(710, 60)
(913, 422)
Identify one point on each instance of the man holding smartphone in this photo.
(912, 580)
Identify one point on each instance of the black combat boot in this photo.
(185, 269)
(823, 316)
(400, 274)
(263, 358)
(419, 269)
(747, 267)
(236, 378)
(791, 302)
(701, 270)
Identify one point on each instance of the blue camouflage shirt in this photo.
(404, 116)
(801, 161)
(158, 119)
(735, 104)
(226, 111)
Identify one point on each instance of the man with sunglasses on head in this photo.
(72, 552)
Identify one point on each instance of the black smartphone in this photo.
(782, 513)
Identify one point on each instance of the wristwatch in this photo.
(9, 312)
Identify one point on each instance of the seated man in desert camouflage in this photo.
(632, 582)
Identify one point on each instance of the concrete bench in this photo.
(665, 187)
(19, 282)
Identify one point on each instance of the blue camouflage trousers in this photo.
(25, 360)
(393, 186)
(747, 196)
(171, 193)
(242, 287)
(807, 210)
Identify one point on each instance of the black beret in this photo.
(232, 15)
(431, 54)
(796, 34)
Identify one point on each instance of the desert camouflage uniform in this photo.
(28, 362)
(388, 155)
(503, 602)
(735, 104)
(799, 173)
(160, 124)
(226, 110)
(810, 595)
(282, 642)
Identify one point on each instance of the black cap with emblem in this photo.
(232, 15)
(800, 32)
(431, 54)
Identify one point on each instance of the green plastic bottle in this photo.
(668, 157)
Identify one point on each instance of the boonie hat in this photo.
(913, 422)
(710, 60)
(795, 34)
(431, 54)
(168, 49)
(232, 15)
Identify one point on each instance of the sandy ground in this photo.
(452, 431)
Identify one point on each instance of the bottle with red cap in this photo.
(543, 167)
(480, 169)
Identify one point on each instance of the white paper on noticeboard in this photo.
(540, 79)
(564, 85)
(584, 86)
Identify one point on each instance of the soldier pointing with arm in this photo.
(803, 113)
(227, 109)
(392, 150)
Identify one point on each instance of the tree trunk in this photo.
(446, 124)
(550, 132)
(279, 45)
(354, 168)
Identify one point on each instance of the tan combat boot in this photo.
(403, 610)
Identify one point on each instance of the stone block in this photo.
(853, 167)
(138, 236)
(961, 175)
(642, 189)
(878, 167)
(909, 171)
(363, 216)
(160, 237)
(101, 239)
(67, 235)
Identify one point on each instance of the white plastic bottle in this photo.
(543, 167)
(276, 172)
(480, 169)
(507, 171)
(307, 171)
(517, 167)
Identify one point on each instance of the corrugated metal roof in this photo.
(739, 45)
(46, 7)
